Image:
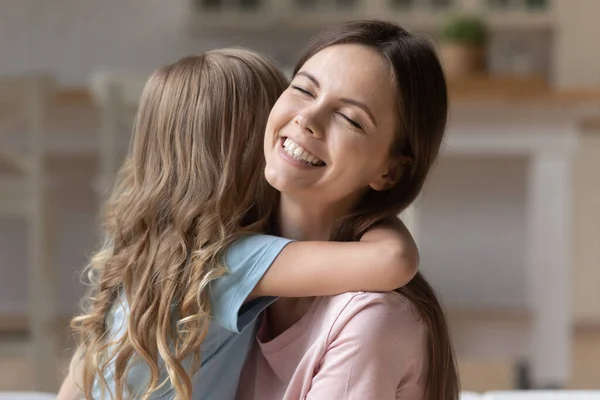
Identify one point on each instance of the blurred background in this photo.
(508, 225)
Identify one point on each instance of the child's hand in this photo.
(395, 240)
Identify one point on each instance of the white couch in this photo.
(26, 396)
(470, 396)
(542, 395)
(533, 395)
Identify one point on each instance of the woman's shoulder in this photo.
(386, 311)
(391, 298)
(390, 302)
(384, 328)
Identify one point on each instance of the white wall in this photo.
(576, 57)
(586, 231)
(73, 38)
(472, 231)
(74, 237)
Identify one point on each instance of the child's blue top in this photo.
(230, 334)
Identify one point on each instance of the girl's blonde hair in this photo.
(191, 184)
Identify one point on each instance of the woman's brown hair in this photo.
(191, 184)
(422, 110)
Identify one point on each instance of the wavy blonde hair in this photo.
(191, 184)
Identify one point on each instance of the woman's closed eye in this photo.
(302, 90)
(352, 122)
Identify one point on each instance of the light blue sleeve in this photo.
(247, 260)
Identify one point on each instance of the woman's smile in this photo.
(297, 152)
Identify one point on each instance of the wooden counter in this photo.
(529, 89)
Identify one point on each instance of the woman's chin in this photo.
(287, 182)
(275, 179)
(280, 183)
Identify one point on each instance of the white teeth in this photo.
(299, 153)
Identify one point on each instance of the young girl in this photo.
(184, 271)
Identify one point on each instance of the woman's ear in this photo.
(389, 177)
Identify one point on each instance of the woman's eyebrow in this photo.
(311, 77)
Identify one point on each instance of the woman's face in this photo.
(328, 136)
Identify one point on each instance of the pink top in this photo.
(350, 346)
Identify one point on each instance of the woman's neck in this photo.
(308, 219)
(299, 222)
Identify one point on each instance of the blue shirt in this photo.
(230, 334)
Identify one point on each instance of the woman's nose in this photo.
(307, 121)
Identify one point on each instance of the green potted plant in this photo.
(463, 43)
(537, 5)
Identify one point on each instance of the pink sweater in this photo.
(350, 346)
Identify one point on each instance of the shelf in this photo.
(414, 20)
(285, 15)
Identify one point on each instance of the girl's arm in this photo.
(385, 259)
(69, 390)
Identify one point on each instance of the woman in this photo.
(369, 102)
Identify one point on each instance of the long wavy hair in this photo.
(191, 184)
(422, 105)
